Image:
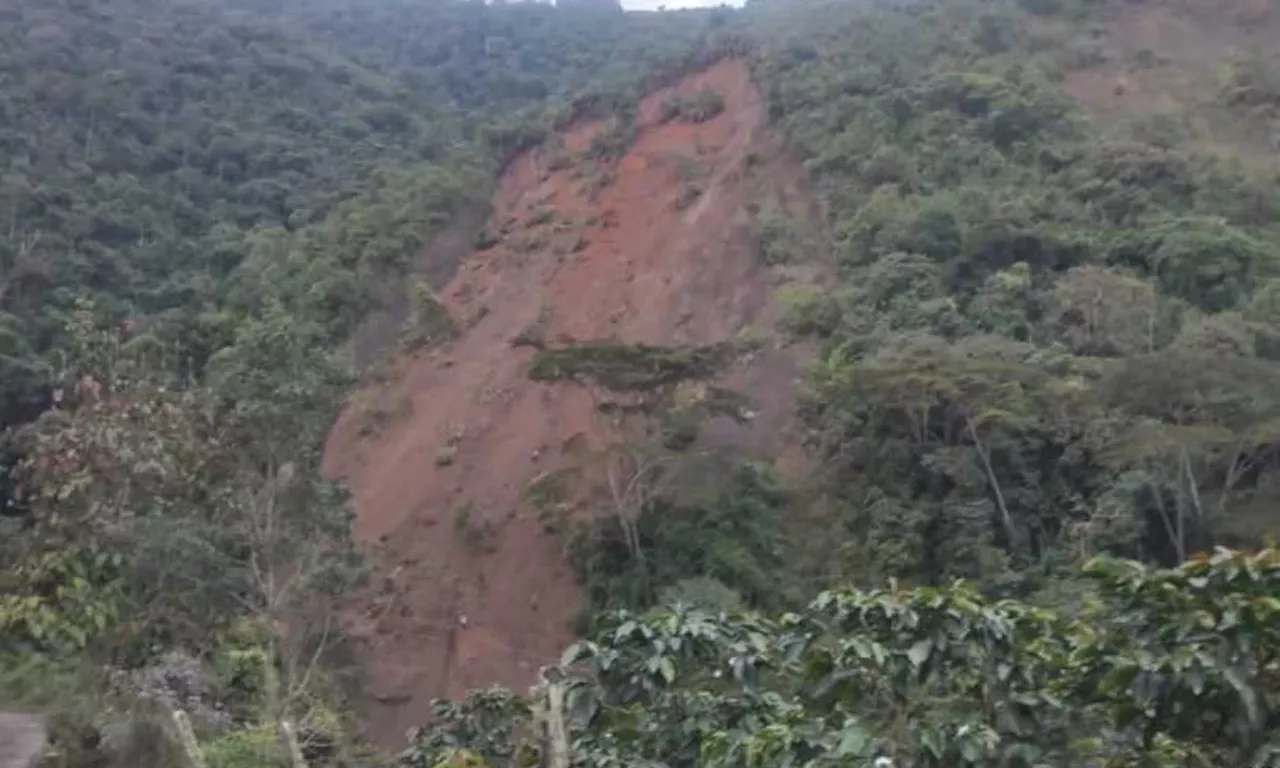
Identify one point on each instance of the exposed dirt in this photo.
(471, 589)
(1167, 57)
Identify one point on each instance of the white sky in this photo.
(649, 5)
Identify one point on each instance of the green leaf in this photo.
(668, 669)
(920, 652)
(574, 653)
(1248, 697)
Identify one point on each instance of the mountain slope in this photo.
(655, 246)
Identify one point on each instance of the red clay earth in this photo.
(471, 590)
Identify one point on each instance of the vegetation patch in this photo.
(249, 748)
(539, 215)
(475, 535)
(689, 194)
(614, 139)
(699, 108)
(689, 168)
(691, 404)
(781, 237)
(529, 241)
(487, 238)
(623, 367)
(732, 533)
(808, 310)
(429, 319)
(551, 494)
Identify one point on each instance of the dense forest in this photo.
(1041, 413)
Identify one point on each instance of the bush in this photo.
(429, 319)
(1204, 261)
(696, 109)
(614, 139)
(809, 311)
(245, 748)
(628, 366)
(487, 238)
(780, 237)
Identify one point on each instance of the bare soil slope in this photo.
(656, 247)
(1168, 57)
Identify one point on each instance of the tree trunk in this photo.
(548, 714)
(1174, 533)
(1010, 530)
(187, 739)
(289, 740)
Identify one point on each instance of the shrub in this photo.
(809, 311)
(245, 748)
(705, 105)
(628, 366)
(614, 139)
(1205, 261)
(487, 238)
(429, 319)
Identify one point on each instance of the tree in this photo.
(1204, 421)
(948, 423)
(1098, 311)
(161, 517)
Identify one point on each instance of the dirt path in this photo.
(22, 740)
(656, 248)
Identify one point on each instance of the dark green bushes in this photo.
(733, 536)
(628, 366)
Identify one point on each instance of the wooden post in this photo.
(548, 713)
(289, 737)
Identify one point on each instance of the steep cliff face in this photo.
(654, 243)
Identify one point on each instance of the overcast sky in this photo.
(649, 5)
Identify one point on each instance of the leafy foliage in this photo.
(1046, 341)
(183, 166)
(1167, 668)
(1007, 270)
(729, 533)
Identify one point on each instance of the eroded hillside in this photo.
(649, 238)
(1183, 70)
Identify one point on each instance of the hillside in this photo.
(654, 246)
(859, 383)
(154, 150)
